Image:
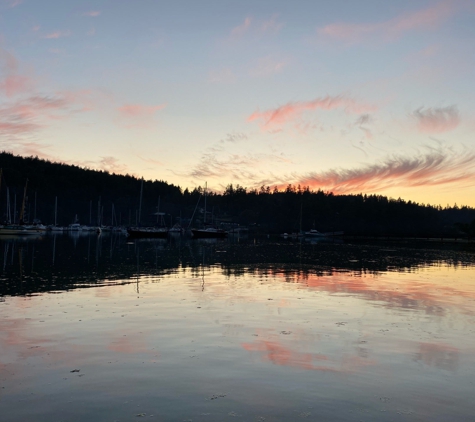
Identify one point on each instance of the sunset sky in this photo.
(349, 96)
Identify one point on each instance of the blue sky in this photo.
(344, 96)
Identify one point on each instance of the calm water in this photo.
(101, 329)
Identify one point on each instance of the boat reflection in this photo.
(370, 330)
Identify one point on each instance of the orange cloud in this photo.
(437, 120)
(279, 116)
(437, 167)
(393, 28)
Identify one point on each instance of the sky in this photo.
(345, 96)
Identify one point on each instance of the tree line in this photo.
(98, 196)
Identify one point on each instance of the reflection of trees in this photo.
(316, 266)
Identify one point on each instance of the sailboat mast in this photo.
(206, 187)
(158, 209)
(22, 212)
(55, 209)
(140, 203)
(9, 213)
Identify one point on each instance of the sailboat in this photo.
(210, 231)
(55, 227)
(147, 232)
(20, 229)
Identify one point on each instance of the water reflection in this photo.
(196, 330)
(33, 265)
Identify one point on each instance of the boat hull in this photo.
(19, 231)
(209, 234)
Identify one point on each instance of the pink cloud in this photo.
(272, 25)
(13, 3)
(28, 115)
(112, 165)
(437, 120)
(430, 17)
(138, 110)
(57, 34)
(436, 168)
(13, 83)
(93, 13)
(290, 111)
(240, 30)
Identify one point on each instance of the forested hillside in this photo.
(90, 194)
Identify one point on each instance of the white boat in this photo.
(75, 227)
(210, 232)
(314, 233)
(177, 229)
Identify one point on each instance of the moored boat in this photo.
(19, 230)
(210, 232)
(151, 232)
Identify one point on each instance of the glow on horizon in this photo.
(365, 98)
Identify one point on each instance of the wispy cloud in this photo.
(437, 120)
(272, 25)
(57, 34)
(109, 163)
(233, 138)
(25, 110)
(223, 75)
(436, 167)
(362, 121)
(92, 13)
(112, 165)
(267, 66)
(428, 18)
(29, 114)
(12, 81)
(138, 116)
(275, 118)
(224, 160)
(151, 161)
(241, 29)
(12, 3)
(139, 110)
(256, 27)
